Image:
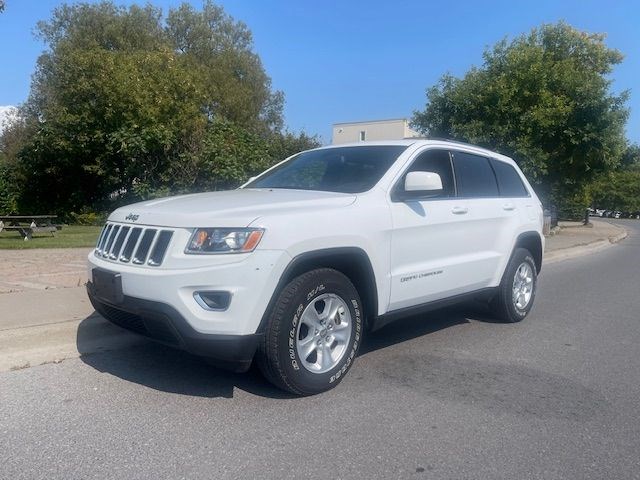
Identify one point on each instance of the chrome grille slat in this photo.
(104, 237)
(160, 248)
(107, 248)
(101, 238)
(132, 243)
(138, 245)
(140, 257)
(117, 245)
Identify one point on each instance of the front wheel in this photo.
(514, 299)
(313, 333)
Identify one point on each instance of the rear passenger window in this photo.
(474, 176)
(436, 161)
(509, 182)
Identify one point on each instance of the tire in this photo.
(504, 305)
(313, 333)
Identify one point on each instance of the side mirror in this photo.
(422, 183)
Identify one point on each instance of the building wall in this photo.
(395, 129)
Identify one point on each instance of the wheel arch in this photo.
(532, 242)
(353, 262)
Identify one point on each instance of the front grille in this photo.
(138, 245)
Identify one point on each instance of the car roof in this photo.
(424, 142)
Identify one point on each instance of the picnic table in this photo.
(27, 225)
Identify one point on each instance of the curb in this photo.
(52, 343)
(580, 250)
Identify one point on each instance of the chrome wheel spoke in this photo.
(306, 346)
(310, 318)
(325, 357)
(329, 305)
(341, 335)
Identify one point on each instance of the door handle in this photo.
(459, 210)
(508, 206)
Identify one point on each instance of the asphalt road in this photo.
(446, 395)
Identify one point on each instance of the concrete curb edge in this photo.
(580, 250)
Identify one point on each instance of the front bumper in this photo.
(163, 323)
(250, 279)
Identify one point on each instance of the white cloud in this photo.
(8, 115)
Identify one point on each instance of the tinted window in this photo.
(436, 161)
(474, 176)
(341, 169)
(509, 181)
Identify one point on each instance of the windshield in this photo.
(342, 169)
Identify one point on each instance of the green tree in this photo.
(619, 190)
(545, 99)
(8, 193)
(126, 103)
(631, 157)
(11, 181)
(232, 76)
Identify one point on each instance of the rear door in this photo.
(518, 205)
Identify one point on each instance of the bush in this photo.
(87, 218)
(572, 206)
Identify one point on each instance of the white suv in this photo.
(296, 265)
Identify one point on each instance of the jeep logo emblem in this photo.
(132, 217)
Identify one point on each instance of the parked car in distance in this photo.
(294, 268)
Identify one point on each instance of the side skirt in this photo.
(389, 317)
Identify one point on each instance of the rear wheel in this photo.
(313, 333)
(514, 299)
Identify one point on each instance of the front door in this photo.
(444, 245)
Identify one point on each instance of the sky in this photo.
(341, 61)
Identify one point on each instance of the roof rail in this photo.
(444, 139)
(457, 142)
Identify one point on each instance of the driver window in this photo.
(436, 161)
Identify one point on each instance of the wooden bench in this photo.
(26, 226)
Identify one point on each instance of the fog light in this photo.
(217, 301)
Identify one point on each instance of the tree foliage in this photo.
(128, 103)
(618, 190)
(545, 99)
(631, 158)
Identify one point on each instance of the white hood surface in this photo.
(233, 208)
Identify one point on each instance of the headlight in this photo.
(224, 240)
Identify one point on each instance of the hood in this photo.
(233, 208)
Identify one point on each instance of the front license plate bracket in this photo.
(107, 285)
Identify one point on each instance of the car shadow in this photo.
(112, 350)
(424, 324)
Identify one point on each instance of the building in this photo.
(393, 129)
